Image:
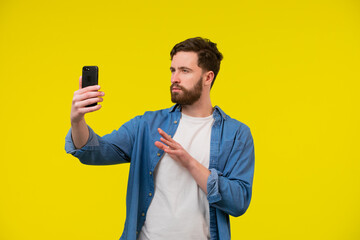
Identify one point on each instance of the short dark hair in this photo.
(209, 57)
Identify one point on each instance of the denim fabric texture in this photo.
(229, 185)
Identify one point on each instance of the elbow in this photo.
(86, 161)
(235, 206)
(89, 159)
(241, 206)
(238, 211)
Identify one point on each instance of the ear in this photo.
(208, 78)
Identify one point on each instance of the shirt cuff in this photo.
(213, 186)
(92, 143)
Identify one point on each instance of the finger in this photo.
(170, 151)
(80, 82)
(87, 89)
(85, 103)
(88, 95)
(164, 134)
(160, 145)
(89, 109)
(171, 144)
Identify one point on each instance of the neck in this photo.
(201, 108)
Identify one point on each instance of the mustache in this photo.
(176, 86)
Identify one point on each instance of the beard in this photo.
(186, 96)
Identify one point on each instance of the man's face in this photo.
(186, 78)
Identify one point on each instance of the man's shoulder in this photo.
(233, 123)
(228, 119)
(238, 125)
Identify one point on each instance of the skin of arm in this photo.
(178, 153)
(82, 98)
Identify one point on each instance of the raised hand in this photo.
(173, 148)
(179, 154)
(82, 98)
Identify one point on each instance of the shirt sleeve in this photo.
(230, 190)
(70, 147)
(112, 148)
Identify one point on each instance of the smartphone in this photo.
(90, 76)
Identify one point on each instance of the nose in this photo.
(175, 77)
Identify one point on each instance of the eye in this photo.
(185, 70)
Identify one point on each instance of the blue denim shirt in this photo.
(229, 185)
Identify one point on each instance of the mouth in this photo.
(175, 89)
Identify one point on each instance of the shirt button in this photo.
(137, 232)
(150, 172)
(150, 194)
(158, 154)
(175, 122)
(143, 214)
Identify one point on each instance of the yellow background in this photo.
(290, 72)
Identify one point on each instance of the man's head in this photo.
(209, 57)
(195, 62)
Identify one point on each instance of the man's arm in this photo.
(179, 154)
(83, 143)
(82, 98)
(231, 191)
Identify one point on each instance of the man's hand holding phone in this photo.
(84, 101)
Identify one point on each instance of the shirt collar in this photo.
(175, 108)
(217, 111)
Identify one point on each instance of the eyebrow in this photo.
(181, 68)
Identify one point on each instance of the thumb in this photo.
(80, 82)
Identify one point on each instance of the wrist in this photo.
(78, 122)
(192, 164)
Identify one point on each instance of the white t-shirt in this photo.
(180, 209)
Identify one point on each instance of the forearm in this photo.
(79, 133)
(199, 173)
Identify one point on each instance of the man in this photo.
(191, 166)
